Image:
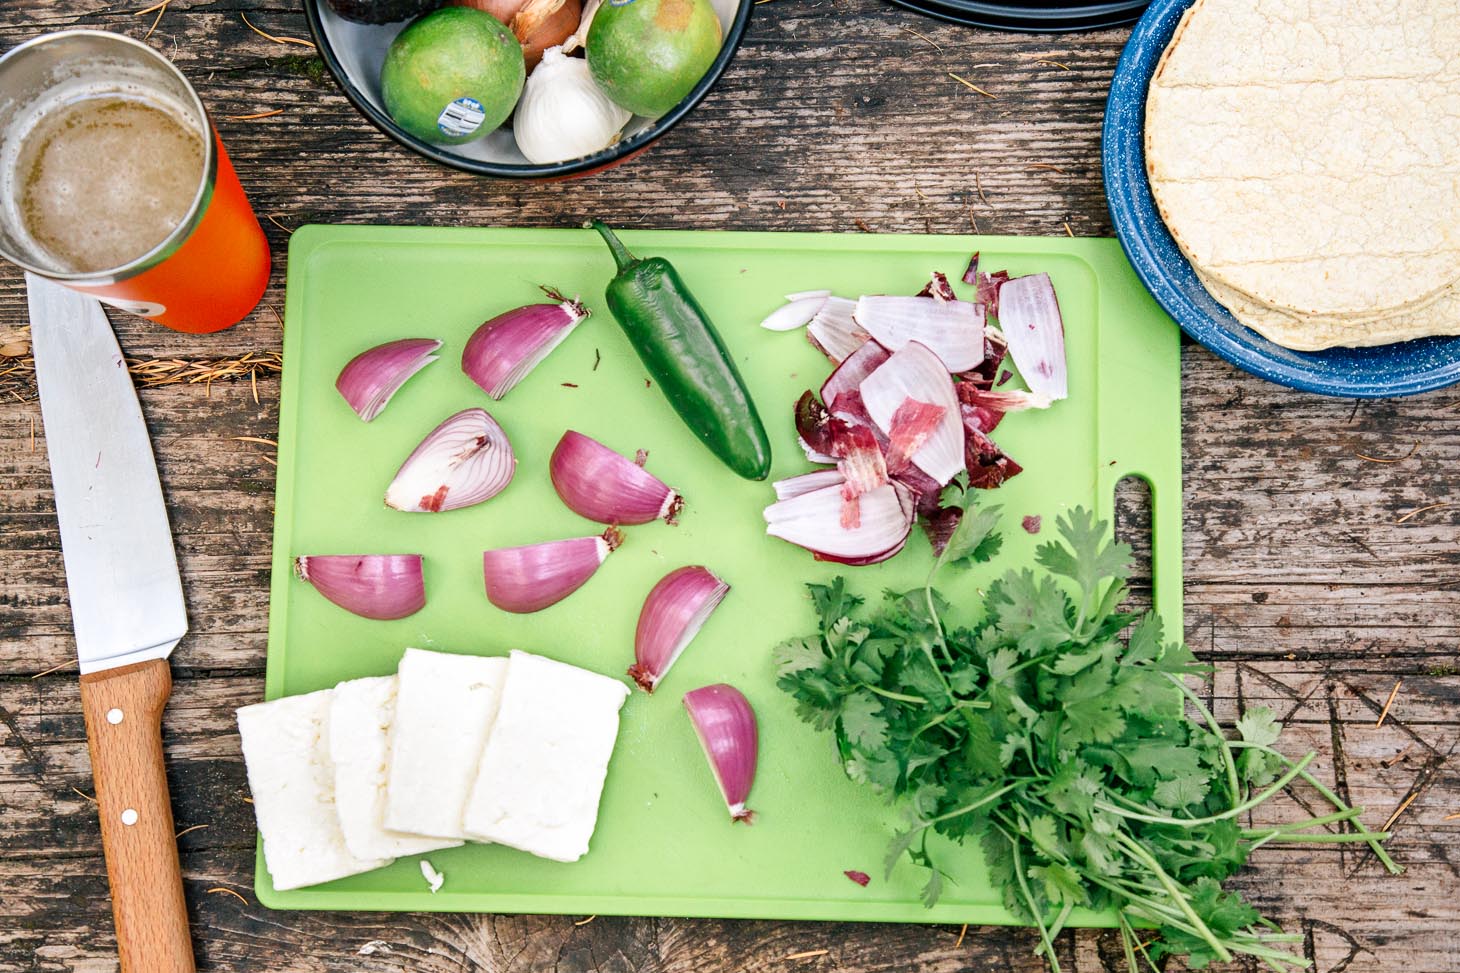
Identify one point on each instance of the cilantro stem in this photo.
(1246, 805)
(1132, 942)
(1140, 854)
(1333, 799)
(977, 804)
(1227, 759)
(1047, 943)
(958, 705)
(1058, 926)
(1333, 818)
(900, 697)
(1325, 838)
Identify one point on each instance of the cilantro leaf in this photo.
(798, 655)
(1180, 792)
(974, 539)
(1086, 557)
(1258, 727)
(862, 721)
(1029, 729)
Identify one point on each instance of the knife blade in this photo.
(126, 594)
(126, 607)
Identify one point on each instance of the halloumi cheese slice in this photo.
(543, 767)
(360, 718)
(444, 708)
(286, 751)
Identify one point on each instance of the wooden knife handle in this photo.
(123, 710)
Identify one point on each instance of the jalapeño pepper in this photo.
(682, 351)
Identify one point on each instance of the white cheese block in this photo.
(287, 753)
(444, 708)
(361, 714)
(543, 768)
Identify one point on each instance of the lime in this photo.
(452, 75)
(647, 55)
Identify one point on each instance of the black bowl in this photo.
(354, 53)
(1031, 16)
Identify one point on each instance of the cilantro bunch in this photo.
(1066, 754)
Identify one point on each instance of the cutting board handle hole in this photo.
(1133, 519)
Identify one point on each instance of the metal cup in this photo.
(211, 270)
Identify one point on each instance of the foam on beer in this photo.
(98, 179)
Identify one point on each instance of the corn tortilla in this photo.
(1306, 157)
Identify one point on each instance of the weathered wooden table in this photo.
(1321, 558)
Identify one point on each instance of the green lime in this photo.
(647, 55)
(452, 75)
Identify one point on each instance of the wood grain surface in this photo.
(1321, 558)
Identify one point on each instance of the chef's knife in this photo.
(126, 607)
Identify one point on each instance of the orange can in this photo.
(114, 182)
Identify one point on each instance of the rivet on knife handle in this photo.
(123, 709)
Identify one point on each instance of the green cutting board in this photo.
(664, 843)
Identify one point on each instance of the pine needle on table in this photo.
(1399, 810)
(275, 38)
(969, 84)
(56, 668)
(1376, 459)
(919, 34)
(1416, 512)
(161, 9)
(256, 115)
(220, 890)
(1388, 703)
(808, 954)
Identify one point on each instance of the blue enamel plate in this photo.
(1404, 368)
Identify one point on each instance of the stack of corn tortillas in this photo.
(1305, 154)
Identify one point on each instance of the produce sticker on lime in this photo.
(461, 117)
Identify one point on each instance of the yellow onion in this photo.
(503, 10)
(541, 24)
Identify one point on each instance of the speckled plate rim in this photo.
(1405, 368)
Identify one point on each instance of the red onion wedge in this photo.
(988, 465)
(912, 425)
(988, 289)
(527, 579)
(806, 482)
(938, 288)
(463, 461)
(725, 724)
(381, 586)
(796, 314)
(854, 368)
(1029, 314)
(598, 483)
(970, 276)
(915, 373)
(833, 332)
(952, 330)
(862, 464)
(673, 614)
(372, 377)
(813, 454)
(986, 408)
(813, 520)
(501, 352)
